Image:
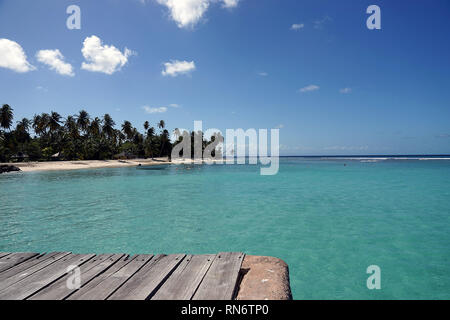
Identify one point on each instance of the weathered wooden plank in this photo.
(42, 278)
(186, 278)
(14, 255)
(111, 281)
(221, 279)
(88, 271)
(2, 254)
(174, 277)
(14, 259)
(20, 268)
(98, 279)
(27, 268)
(144, 283)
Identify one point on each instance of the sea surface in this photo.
(329, 219)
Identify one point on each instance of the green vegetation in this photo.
(216, 150)
(77, 137)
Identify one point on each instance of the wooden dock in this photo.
(34, 276)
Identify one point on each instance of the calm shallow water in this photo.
(328, 221)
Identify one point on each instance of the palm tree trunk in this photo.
(162, 148)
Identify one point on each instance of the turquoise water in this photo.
(328, 221)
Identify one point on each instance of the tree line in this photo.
(49, 136)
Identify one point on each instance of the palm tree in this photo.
(6, 117)
(151, 132)
(161, 124)
(138, 140)
(54, 122)
(164, 139)
(108, 126)
(137, 137)
(21, 132)
(121, 136)
(146, 125)
(36, 124)
(23, 125)
(127, 128)
(71, 127)
(149, 142)
(44, 122)
(83, 120)
(94, 128)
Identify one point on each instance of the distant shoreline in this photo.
(85, 164)
(96, 164)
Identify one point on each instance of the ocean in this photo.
(327, 218)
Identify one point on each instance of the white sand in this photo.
(87, 164)
(95, 164)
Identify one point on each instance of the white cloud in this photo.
(151, 110)
(41, 88)
(318, 24)
(13, 57)
(176, 68)
(280, 126)
(103, 58)
(310, 88)
(186, 13)
(345, 90)
(263, 74)
(55, 60)
(230, 3)
(297, 26)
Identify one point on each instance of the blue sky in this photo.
(364, 91)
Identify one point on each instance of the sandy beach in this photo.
(86, 164)
(97, 164)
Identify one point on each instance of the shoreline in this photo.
(35, 166)
(96, 164)
(85, 164)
